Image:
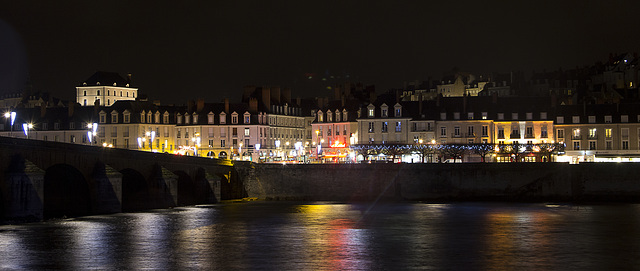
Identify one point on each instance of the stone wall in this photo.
(444, 182)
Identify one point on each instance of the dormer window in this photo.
(345, 117)
(179, 118)
(127, 116)
(329, 116)
(114, 117)
(320, 116)
(384, 111)
(371, 109)
(195, 118)
(149, 120)
(514, 116)
(187, 118)
(456, 115)
(157, 117)
(165, 117)
(234, 118)
(397, 110)
(103, 117)
(223, 118)
(470, 115)
(247, 118)
(142, 116)
(210, 117)
(337, 115)
(443, 116)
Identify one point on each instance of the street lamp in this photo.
(26, 127)
(12, 116)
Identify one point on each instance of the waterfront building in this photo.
(599, 133)
(335, 130)
(105, 88)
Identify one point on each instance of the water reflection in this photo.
(327, 236)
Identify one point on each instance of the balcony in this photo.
(500, 136)
(576, 137)
(514, 135)
(529, 136)
(593, 137)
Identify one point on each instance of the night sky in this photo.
(180, 50)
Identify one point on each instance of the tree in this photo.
(394, 150)
(424, 150)
(547, 149)
(482, 149)
(454, 151)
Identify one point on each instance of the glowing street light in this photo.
(12, 116)
(26, 127)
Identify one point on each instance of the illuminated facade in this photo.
(105, 88)
(334, 131)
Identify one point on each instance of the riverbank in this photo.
(520, 182)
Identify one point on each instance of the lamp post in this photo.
(26, 127)
(257, 145)
(93, 129)
(11, 115)
(277, 147)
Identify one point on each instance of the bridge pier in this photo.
(106, 189)
(164, 187)
(23, 191)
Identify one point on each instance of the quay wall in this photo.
(613, 182)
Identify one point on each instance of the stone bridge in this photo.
(40, 179)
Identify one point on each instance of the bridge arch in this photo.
(135, 190)
(222, 155)
(186, 188)
(66, 192)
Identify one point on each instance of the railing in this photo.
(576, 137)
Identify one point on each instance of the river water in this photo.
(335, 236)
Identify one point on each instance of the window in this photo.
(384, 127)
(179, 118)
(470, 115)
(383, 112)
(247, 118)
(223, 118)
(222, 143)
(114, 118)
(625, 144)
(337, 116)
(456, 131)
(186, 119)
(543, 132)
(500, 116)
(329, 131)
(329, 116)
(592, 145)
(484, 115)
(608, 144)
(529, 132)
(234, 118)
(607, 119)
(443, 131)
(575, 119)
(529, 116)
(72, 125)
(543, 115)
(371, 127)
(103, 118)
(456, 115)
(592, 119)
(560, 119)
(514, 116)
(127, 117)
(607, 133)
(370, 109)
(560, 133)
(592, 133)
(398, 126)
(470, 131)
(443, 116)
(485, 130)
(234, 132)
(576, 145)
(576, 133)
(624, 118)
(398, 111)
(246, 131)
(165, 117)
(210, 118)
(500, 132)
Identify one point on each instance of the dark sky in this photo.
(180, 50)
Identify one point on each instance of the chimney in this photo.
(266, 97)
(190, 105)
(96, 106)
(199, 105)
(286, 95)
(420, 104)
(226, 105)
(71, 108)
(275, 93)
(43, 110)
(253, 105)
